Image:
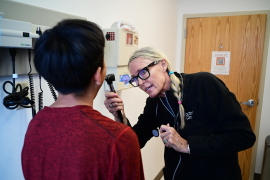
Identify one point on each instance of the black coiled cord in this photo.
(31, 85)
(40, 96)
(52, 91)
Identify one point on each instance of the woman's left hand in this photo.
(172, 139)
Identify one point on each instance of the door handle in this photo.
(249, 103)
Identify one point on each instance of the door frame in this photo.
(263, 69)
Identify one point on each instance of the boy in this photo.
(69, 139)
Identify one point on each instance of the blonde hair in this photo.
(176, 85)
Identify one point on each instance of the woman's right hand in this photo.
(114, 103)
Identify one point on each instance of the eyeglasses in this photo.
(143, 74)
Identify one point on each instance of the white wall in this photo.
(217, 6)
(157, 24)
(265, 119)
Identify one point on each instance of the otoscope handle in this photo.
(112, 88)
(120, 116)
(118, 112)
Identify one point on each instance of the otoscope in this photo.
(109, 78)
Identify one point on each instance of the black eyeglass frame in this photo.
(145, 68)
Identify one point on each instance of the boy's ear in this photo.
(97, 76)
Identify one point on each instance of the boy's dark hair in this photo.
(68, 55)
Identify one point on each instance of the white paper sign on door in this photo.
(220, 64)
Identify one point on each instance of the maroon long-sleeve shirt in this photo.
(77, 143)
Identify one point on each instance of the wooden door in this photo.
(243, 36)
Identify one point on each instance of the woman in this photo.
(201, 122)
(69, 139)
